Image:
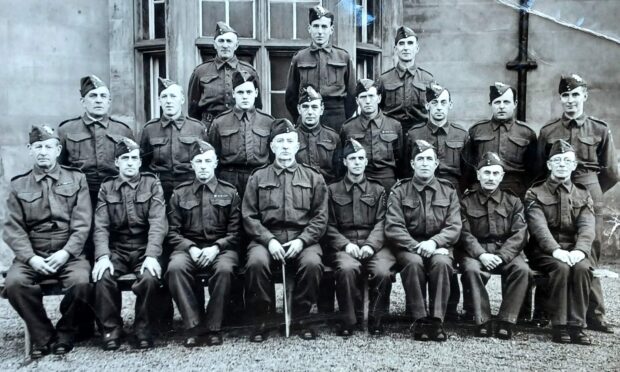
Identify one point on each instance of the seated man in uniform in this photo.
(285, 214)
(48, 221)
(130, 227)
(560, 216)
(355, 240)
(493, 236)
(423, 224)
(205, 222)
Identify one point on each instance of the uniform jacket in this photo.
(492, 223)
(210, 87)
(382, 138)
(560, 216)
(203, 215)
(128, 211)
(241, 144)
(47, 212)
(594, 148)
(89, 146)
(320, 148)
(165, 146)
(417, 213)
(328, 69)
(404, 93)
(356, 214)
(294, 198)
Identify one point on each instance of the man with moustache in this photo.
(285, 214)
(560, 216)
(492, 239)
(210, 90)
(423, 224)
(327, 68)
(597, 169)
(130, 227)
(48, 220)
(205, 222)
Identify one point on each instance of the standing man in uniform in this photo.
(381, 136)
(285, 213)
(405, 84)
(513, 140)
(327, 68)
(130, 227)
(356, 242)
(205, 221)
(493, 236)
(423, 224)
(319, 145)
(560, 216)
(165, 143)
(210, 90)
(597, 169)
(241, 136)
(48, 220)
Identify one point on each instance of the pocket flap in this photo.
(476, 212)
(589, 140)
(388, 136)
(188, 204)
(484, 137)
(188, 140)
(369, 200)
(547, 200)
(441, 203)
(158, 141)
(77, 137)
(358, 135)
(261, 131)
(221, 202)
(208, 78)
(393, 86)
(67, 190)
(337, 64)
(518, 141)
(301, 183)
(29, 197)
(327, 145)
(113, 198)
(342, 200)
(502, 211)
(306, 64)
(141, 198)
(228, 132)
(411, 203)
(455, 144)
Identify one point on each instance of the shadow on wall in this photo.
(6, 255)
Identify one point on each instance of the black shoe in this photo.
(375, 327)
(504, 331)
(113, 344)
(437, 333)
(578, 336)
(560, 335)
(39, 351)
(259, 333)
(600, 326)
(62, 347)
(144, 343)
(214, 339)
(420, 331)
(191, 341)
(484, 330)
(345, 331)
(452, 316)
(307, 333)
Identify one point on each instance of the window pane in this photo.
(154, 66)
(242, 18)
(279, 71)
(160, 20)
(302, 18)
(371, 19)
(358, 21)
(212, 12)
(278, 106)
(281, 21)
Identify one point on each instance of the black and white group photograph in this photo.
(310, 185)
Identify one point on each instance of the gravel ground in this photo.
(530, 349)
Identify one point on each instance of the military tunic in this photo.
(284, 204)
(203, 215)
(320, 147)
(130, 225)
(493, 224)
(357, 216)
(331, 72)
(418, 212)
(405, 94)
(560, 216)
(382, 138)
(47, 212)
(241, 142)
(210, 90)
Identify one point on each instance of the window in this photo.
(154, 66)
(153, 20)
(365, 17)
(365, 66)
(288, 19)
(239, 14)
(368, 38)
(279, 63)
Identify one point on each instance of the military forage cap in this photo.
(559, 147)
(351, 147)
(41, 133)
(363, 85)
(498, 89)
(124, 145)
(433, 91)
(404, 32)
(221, 28)
(570, 82)
(419, 146)
(281, 126)
(318, 12)
(90, 82)
(309, 94)
(240, 77)
(199, 147)
(167, 83)
(488, 159)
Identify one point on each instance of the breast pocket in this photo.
(484, 144)
(501, 221)
(368, 207)
(190, 212)
(336, 71)
(586, 148)
(343, 209)
(388, 143)
(268, 197)
(160, 148)
(32, 204)
(516, 148)
(221, 211)
(550, 208)
(326, 153)
(230, 141)
(185, 145)
(412, 213)
(143, 205)
(439, 209)
(261, 143)
(116, 212)
(307, 74)
(79, 146)
(453, 153)
(66, 195)
(478, 220)
(302, 195)
(394, 95)
(211, 85)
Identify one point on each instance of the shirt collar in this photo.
(211, 185)
(133, 182)
(378, 120)
(103, 122)
(39, 174)
(348, 184)
(178, 122)
(421, 186)
(402, 70)
(327, 48)
(435, 128)
(279, 169)
(239, 113)
(232, 62)
(484, 196)
(314, 131)
(553, 185)
(579, 121)
(507, 123)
